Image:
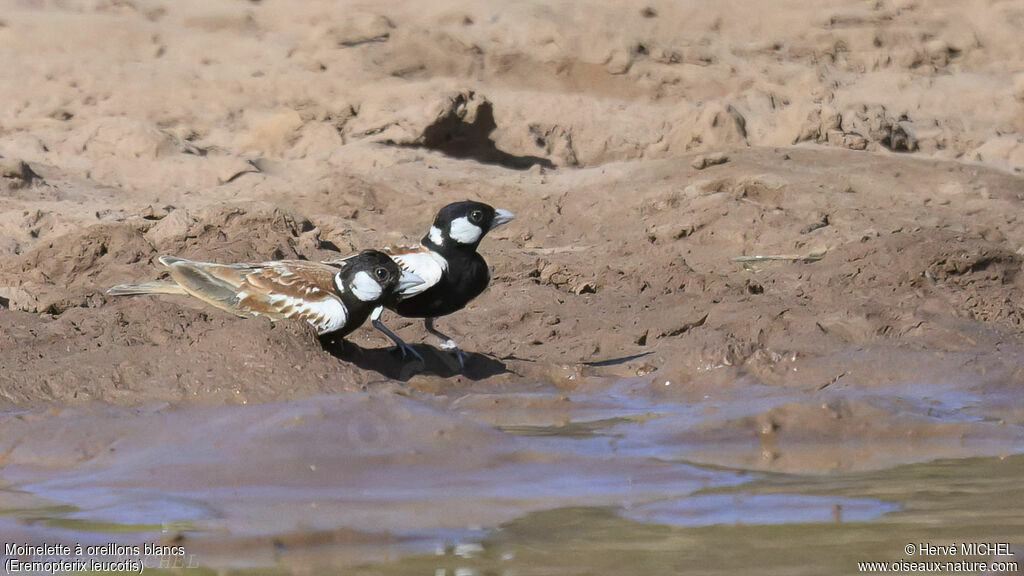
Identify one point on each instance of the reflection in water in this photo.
(942, 502)
(615, 477)
(710, 509)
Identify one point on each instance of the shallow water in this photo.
(616, 476)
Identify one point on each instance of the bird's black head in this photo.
(372, 277)
(464, 224)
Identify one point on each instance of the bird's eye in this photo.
(476, 216)
(382, 274)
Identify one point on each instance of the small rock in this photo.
(171, 228)
(720, 124)
(16, 298)
(939, 52)
(16, 173)
(61, 114)
(849, 140)
(586, 287)
(684, 231)
(645, 369)
(820, 221)
(902, 138)
(155, 212)
(705, 160)
(819, 123)
(546, 273)
(619, 61)
(361, 28)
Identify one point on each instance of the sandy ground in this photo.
(251, 131)
(875, 150)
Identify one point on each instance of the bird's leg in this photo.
(447, 343)
(399, 343)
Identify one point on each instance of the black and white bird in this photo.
(334, 299)
(453, 272)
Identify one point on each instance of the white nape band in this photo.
(435, 236)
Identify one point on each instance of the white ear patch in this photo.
(435, 236)
(463, 232)
(366, 288)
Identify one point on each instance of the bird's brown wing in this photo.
(277, 290)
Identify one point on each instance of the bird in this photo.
(453, 272)
(335, 299)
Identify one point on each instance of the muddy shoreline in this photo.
(751, 268)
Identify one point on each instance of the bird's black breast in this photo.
(467, 276)
(357, 313)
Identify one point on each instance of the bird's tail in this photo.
(146, 288)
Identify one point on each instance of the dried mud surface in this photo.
(803, 220)
(638, 280)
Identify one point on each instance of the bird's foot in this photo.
(400, 344)
(449, 345)
(407, 350)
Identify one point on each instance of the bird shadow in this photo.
(451, 135)
(389, 363)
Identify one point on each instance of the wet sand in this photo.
(765, 281)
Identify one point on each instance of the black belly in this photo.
(463, 282)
